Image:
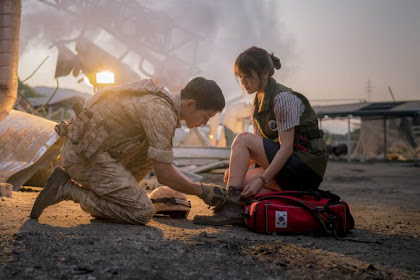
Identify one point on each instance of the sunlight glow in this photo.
(86, 79)
(105, 77)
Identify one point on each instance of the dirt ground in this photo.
(66, 243)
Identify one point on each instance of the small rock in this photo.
(206, 235)
(282, 264)
(370, 267)
(83, 269)
(6, 189)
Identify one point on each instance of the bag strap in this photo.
(318, 194)
(324, 221)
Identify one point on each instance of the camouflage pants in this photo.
(109, 190)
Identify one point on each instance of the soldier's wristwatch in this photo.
(265, 181)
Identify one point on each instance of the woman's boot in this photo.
(228, 214)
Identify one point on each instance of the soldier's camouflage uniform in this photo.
(128, 127)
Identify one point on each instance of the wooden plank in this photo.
(218, 171)
(210, 166)
(201, 152)
(194, 161)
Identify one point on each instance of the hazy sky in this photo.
(329, 49)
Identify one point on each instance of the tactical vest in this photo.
(308, 143)
(90, 130)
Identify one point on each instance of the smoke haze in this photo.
(329, 49)
(223, 28)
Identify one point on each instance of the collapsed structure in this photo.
(158, 43)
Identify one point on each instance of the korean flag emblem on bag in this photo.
(281, 219)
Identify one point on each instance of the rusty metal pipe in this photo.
(10, 11)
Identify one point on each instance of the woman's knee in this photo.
(242, 140)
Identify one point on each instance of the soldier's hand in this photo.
(213, 195)
(226, 176)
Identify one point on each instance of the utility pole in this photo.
(369, 90)
(392, 95)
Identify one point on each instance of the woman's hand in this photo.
(226, 178)
(253, 188)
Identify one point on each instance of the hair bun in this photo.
(276, 61)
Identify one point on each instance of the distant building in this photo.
(388, 130)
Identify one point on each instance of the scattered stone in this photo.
(28, 189)
(282, 264)
(83, 269)
(6, 189)
(370, 267)
(206, 235)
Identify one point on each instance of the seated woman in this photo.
(287, 148)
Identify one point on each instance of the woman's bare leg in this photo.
(246, 146)
(253, 174)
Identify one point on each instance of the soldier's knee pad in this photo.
(144, 214)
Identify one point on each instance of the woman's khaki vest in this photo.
(308, 143)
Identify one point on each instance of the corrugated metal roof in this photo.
(397, 108)
(25, 138)
(60, 95)
(408, 106)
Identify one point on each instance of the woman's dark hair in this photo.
(206, 93)
(256, 59)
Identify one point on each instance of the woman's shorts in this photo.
(295, 175)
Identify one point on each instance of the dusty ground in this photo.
(67, 244)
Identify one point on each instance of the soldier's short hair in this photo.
(206, 93)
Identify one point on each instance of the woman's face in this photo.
(250, 82)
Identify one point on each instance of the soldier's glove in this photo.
(213, 195)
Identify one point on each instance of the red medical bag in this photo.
(298, 212)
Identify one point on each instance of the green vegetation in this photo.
(28, 92)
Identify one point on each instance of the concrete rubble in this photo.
(6, 190)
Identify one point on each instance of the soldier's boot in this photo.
(227, 214)
(59, 187)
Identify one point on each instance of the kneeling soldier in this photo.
(118, 136)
